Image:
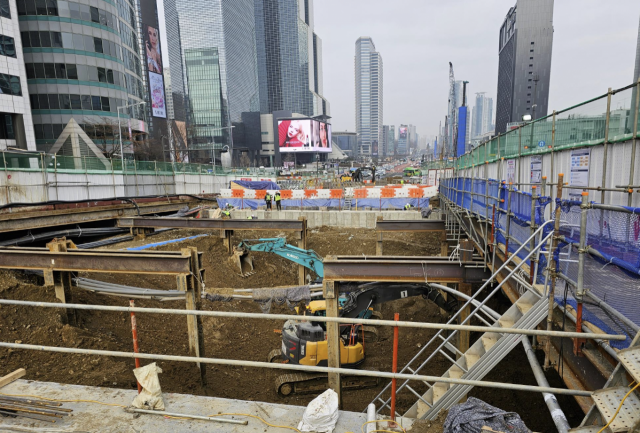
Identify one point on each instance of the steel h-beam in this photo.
(211, 224)
(61, 258)
(400, 268)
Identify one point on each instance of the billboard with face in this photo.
(153, 58)
(403, 132)
(303, 135)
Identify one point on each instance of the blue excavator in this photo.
(304, 342)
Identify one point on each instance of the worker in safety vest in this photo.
(402, 182)
(226, 214)
(267, 199)
(252, 217)
(278, 201)
(407, 206)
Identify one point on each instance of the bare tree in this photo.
(244, 160)
(104, 134)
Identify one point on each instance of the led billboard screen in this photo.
(403, 132)
(303, 135)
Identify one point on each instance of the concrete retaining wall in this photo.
(315, 218)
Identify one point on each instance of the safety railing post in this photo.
(394, 367)
(508, 223)
(606, 145)
(134, 333)
(553, 269)
(634, 144)
(578, 343)
(532, 243)
(520, 151)
(553, 147)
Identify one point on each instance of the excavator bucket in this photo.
(242, 261)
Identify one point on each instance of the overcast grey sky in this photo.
(594, 48)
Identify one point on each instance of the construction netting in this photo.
(581, 125)
(611, 271)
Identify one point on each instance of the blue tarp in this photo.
(374, 203)
(256, 184)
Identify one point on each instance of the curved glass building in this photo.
(82, 61)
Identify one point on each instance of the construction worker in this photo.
(408, 206)
(402, 182)
(278, 203)
(226, 214)
(267, 199)
(252, 217)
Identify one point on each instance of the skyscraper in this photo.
(83, 61)
(391, 140)
(368, 69)
(214, 69)
(289, 58)
(385, 140)
(525, 44)
(403, 140)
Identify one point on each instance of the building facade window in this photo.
(5, 9)
(7, 46)
(63, 101)
(10, 85)
(69, 71)
(67, 9)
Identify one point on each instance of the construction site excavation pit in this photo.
(237, 338)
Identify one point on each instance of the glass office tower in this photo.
(368, 70)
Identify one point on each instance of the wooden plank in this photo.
(12, 377)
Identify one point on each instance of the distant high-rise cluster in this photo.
(482, 116)
(369, 97)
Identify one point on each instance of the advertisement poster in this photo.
(579, 170)
(433, 173)
(536, 169)
(156, 86)
(402, 131)
(511, 171)
(303, 135)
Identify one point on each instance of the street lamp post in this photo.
(120, 129)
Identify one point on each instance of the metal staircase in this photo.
(347, 203)
(485, 353)
(610, 398)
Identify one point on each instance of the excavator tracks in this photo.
(311, 383)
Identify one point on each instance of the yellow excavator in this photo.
(304, 342)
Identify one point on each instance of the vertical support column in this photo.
(606, 143)
(534, 226)
(578, 343)
(466, 255)
(331, 291)
(380, 236)
(553, 146)
(226, 236)
(552, 271)
(302, 243)
(633, 144)
(508, 225)
(191, 284)
(62, 281)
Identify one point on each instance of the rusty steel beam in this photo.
(162, 263)
(211, 224)
(36, 220)
(410, 226)
(406, 269)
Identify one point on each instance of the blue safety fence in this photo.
(611, 272)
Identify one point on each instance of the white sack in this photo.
(322, 413)
(151, 396)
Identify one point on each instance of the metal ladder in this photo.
(609, 398)
(347, 203)
(475, 363)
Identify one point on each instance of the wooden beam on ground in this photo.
(12, 377)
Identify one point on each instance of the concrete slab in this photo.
(92, 417)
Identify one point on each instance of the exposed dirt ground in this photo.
(231, 338)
